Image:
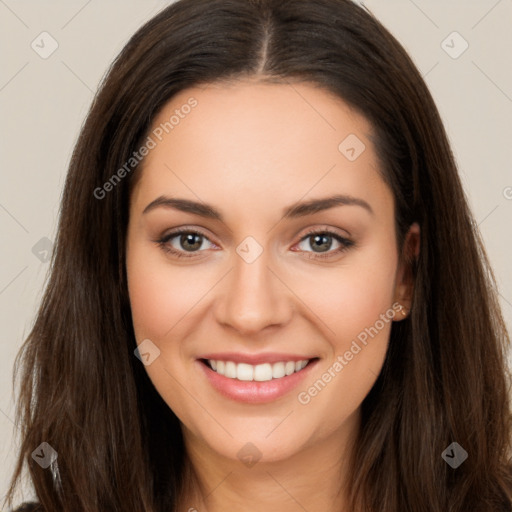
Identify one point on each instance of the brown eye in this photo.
(321, 243)
(184, 242)
(190, 241)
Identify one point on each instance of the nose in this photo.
(253, 298)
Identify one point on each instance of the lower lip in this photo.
(255, 392)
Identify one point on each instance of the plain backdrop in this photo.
(44, 99)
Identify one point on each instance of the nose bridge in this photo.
(253, 298)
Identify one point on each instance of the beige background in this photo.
(44, 101)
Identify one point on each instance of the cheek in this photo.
(152, 303)
(352, 296)
(160, 298)
(366, 294)
(357, 306)
(160, 294)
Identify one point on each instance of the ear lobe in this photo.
(405, 278)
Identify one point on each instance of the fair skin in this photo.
(251, 150)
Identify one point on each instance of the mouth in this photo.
(255, 383)
(256, 373)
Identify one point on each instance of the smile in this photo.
(258, 373)
(257, 383)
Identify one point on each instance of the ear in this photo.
(404, 284)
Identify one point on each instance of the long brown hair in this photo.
(445, 377)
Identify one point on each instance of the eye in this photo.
(322, 241)
(187, 243)
(183, 241)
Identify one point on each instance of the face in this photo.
(261, 239)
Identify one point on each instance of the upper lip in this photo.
(254, 359)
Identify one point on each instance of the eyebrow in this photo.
(300, 209)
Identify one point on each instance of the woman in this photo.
(268, 290)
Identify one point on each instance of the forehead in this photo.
(270, 144)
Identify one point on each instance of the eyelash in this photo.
(163, 242)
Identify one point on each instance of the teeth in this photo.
(230, 370)
(259, 372)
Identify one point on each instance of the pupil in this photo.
(322, 242)
(193, 239)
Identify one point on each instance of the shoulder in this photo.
(29, 507)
